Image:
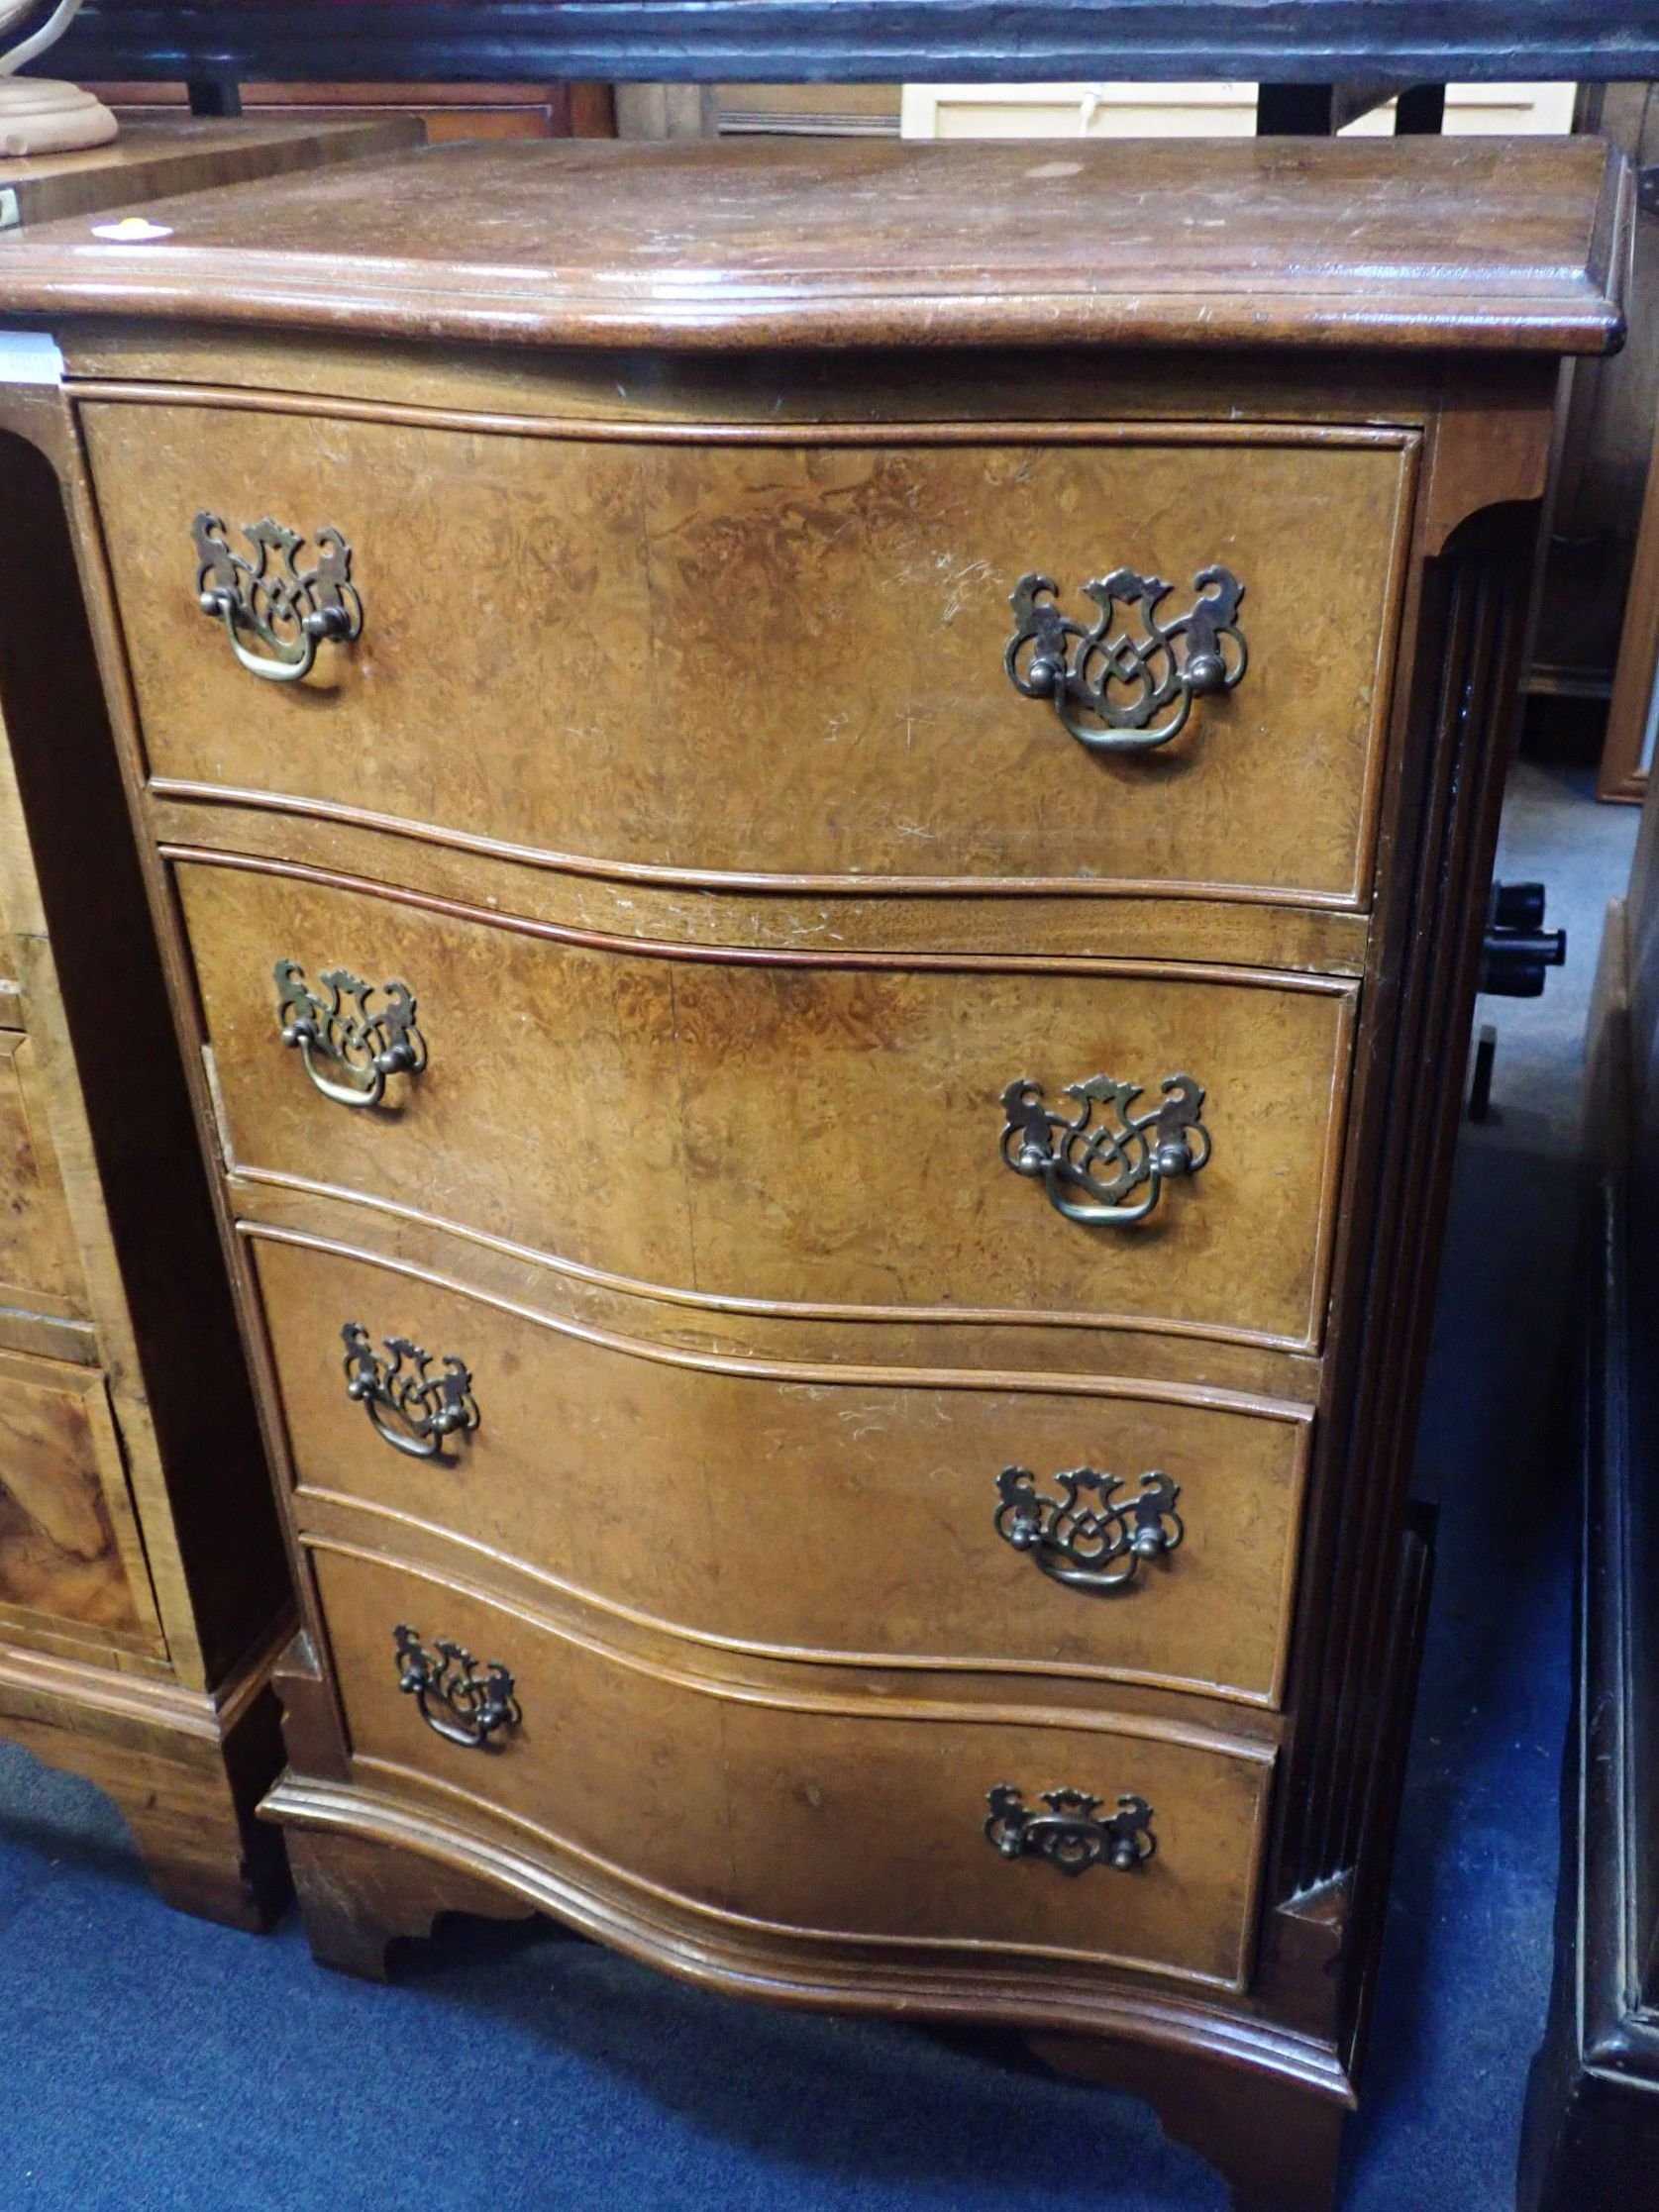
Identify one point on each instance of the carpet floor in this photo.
(155, 2064)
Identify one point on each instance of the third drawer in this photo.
(938, 1522)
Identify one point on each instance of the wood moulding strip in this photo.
(771, 1309)
(664, 877)
(146, 1699)
(658, 430)
(1245, 932)
(722, 1949)
(778, 1370)
(341, 1504)
(660, 876)
(746, 955)
(1250, 1751)
(48, 1336)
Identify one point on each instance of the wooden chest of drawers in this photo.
(821, 818)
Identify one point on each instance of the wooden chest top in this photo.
(1459, 244)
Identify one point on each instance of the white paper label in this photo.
(29, 358)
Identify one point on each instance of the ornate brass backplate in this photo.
(1069, 1835)
(285, 610)
(1119, 688)
(349, 1048)
(457, 1702)
(1092, 1168)
(413, 1409)
(1089, 1546)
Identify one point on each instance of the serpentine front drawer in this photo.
(956, 1135)
(791, 659)
(918, 1826)
(955, 1521)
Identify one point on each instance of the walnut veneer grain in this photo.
(781, 661)
(69, 1546)
(811, 1134)
(743, 1805)
(881, 1501)
(41, 1270)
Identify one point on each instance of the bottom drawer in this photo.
(842, 1817)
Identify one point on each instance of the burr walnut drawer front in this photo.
(790, 660)
(71, 1560)
(1003, 1137)
(40, 1266)
(969, 1520)
(917, 1824)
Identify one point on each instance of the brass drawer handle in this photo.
(457, 1703)
(287, 610)
(348, 1054)
(413, 1410)
(1123, 1153)
(1068, 1835)
(1096, 1546)
(1124, 691)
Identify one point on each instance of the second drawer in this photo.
(790, 1511)
(825, 1134)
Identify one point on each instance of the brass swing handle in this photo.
(1119, 688)
(415, 1410)
(1104, 1163)
(1069, 1835)
(350, 1046)
(457, 1701)
(1089, 1537)
(275, 614)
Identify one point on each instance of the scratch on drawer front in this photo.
(962, 585)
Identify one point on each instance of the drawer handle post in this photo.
(1069, 1835)
(1088, 1547)
(1117, 688)
(457, 1703)
(1109, 1159)
(290, 611)
(414, 1410)
(348, 1049)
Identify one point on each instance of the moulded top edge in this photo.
(1423, 243)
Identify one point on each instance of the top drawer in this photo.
(648, 653)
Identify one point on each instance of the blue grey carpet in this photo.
(154, 2063)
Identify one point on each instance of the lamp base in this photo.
(40, 116)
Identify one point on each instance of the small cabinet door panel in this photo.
(856, 1820)
(69, 1550)
(40, 1262)
(838, 1519)
(773, 658)
(815, 1134)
